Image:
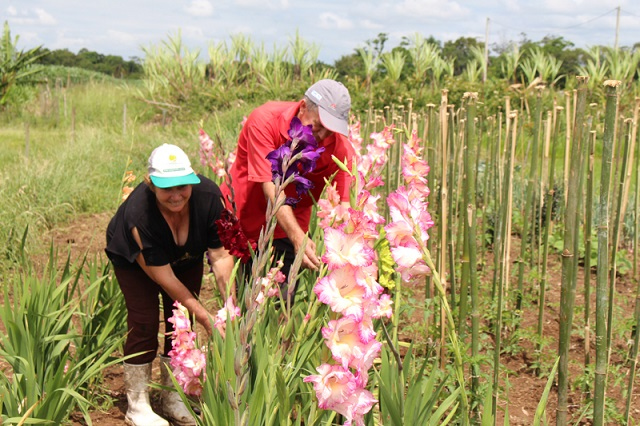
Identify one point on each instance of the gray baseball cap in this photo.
(333, 102)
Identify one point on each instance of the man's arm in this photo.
(287, 221)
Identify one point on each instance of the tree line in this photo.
(464, 50)
(112, 65)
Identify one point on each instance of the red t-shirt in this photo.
(265, 130)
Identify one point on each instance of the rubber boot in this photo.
(139, 411)
(172, 406)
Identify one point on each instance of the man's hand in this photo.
(288, 222)
(310, 259)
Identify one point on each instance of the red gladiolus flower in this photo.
(232, 236)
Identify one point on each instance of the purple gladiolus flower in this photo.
(300, 132)
(303, 147)
(309, 157)
(291, 201)
(277, 157)
(302, 184)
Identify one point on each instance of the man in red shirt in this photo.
(325, 108)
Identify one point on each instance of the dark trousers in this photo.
(143, 310)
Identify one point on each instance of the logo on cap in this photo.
(172, 157)
(316, 95)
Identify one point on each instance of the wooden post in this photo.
(124, 120)
(73, 124)
(26, 140)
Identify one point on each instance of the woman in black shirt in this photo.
(156, 242)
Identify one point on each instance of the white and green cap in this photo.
(334, 103)
(169, 166)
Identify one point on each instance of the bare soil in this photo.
(522, 388)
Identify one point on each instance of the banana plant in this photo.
(393, 62)
(15, 66)
(423, 55)
(510, 64)
(304, 55)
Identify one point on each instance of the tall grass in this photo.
(61, 330)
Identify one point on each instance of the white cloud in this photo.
(122, 37)
(370, 25)
(192, 32)
(30, 39)
(200, 8)
(31, 17)
(45, 18)
(511, 5)
(270, 4)
(595, 7)
(71, 43)
(431, 9)
(331, 21)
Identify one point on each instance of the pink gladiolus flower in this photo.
(270, 283)
(330, 209)
(354, 137)
(384, 307)
(351, 287)
(343, 339)
(345, 249)
(187, 361)
(359, 223)
(342, 292)
(333, 385)
(368, 204)
(229, 310)
(356, 406)
(207, 155)
(231, 158)
(399, 233)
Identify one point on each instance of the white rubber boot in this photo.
(139, 412)
(172, 406)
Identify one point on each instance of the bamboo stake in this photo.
(587, 252)
(470, 242)
(444, 218)
(615, 236)
(636, 333)
(529, 198)
(452, 204)
(463, 237)
(602, 361)
(502, 254)
(569, 254)
(632, 150)
(545, 244)
(567, 146)
(489, 171)
(428, 136)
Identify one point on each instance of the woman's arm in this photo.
(222, 264)
(165, 278)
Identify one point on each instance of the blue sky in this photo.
(122, 27)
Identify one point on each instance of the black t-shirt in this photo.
(159, 248)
